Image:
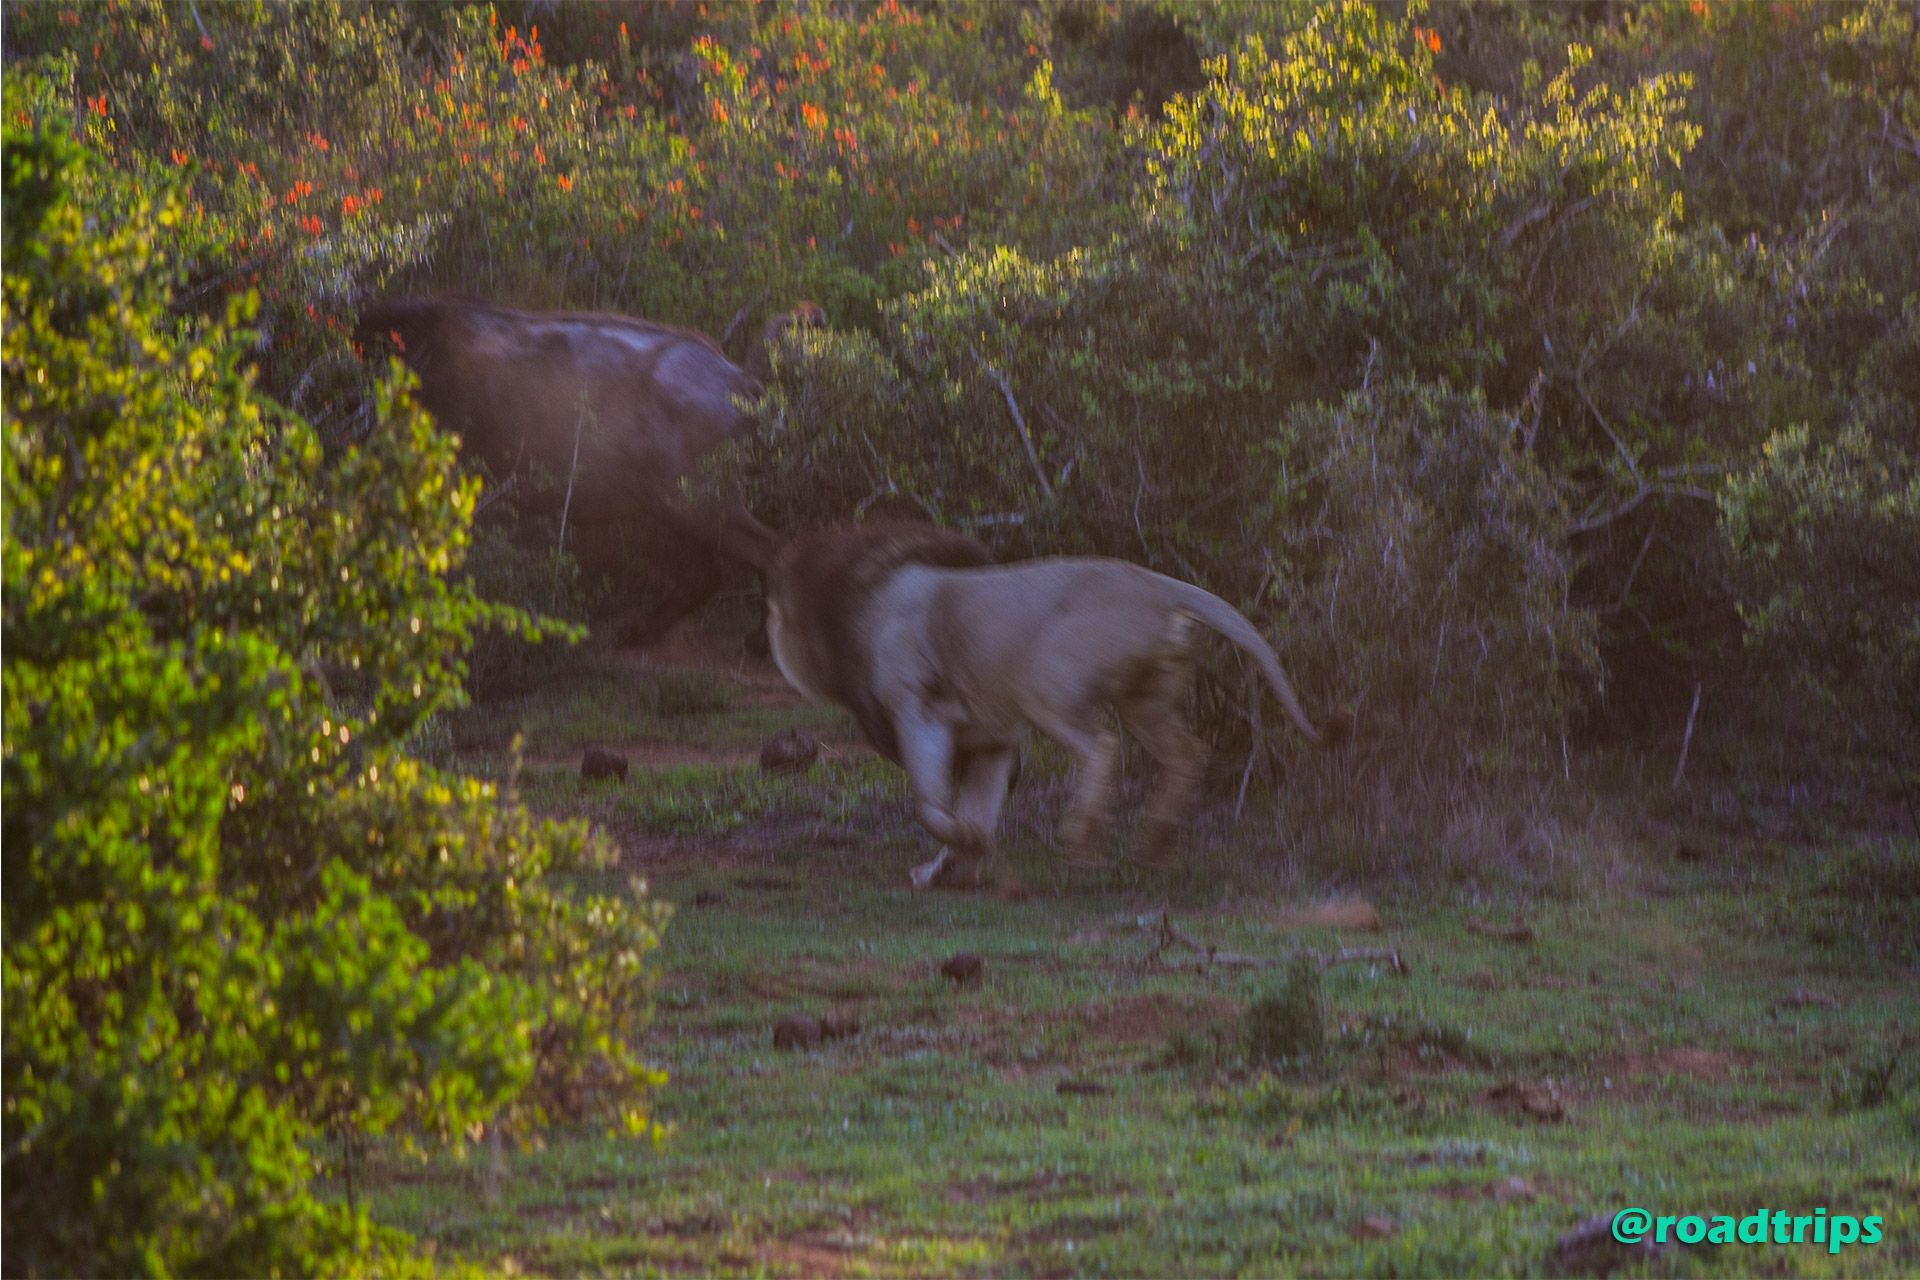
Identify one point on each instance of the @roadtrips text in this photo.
(1835, 1231)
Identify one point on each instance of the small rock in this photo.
(1590, 1250)
(1082, 1089)
(1801, 998)
(790, 752)
(1508, 1190)
(964, 969)
(597, 764)
(796, 1031)
(839, 1024)
(1375, 1226)
(1537, 1101)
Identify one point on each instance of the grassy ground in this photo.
(1707, 1022)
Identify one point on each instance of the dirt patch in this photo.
(1537, 1102)
(1336, 913)
(696, 1226)
(807, 1256)
(1039, 1186)
(649, 754)
(1500, 1191)
(1698, 1064)
(1156, 1015)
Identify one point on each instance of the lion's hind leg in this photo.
(1095, 749)
(1154, 711)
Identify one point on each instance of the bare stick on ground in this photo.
(1168, 935)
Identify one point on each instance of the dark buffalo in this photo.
(593, 416)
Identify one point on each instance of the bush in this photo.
(236, 915)
(1287, 1023)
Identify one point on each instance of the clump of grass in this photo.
(1863, 900)
(1287, 1023)
(688, 693)
(1876, 1075)
(1275, 1102)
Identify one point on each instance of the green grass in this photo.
(1673, 1008)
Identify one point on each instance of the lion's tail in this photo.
(1229, 622)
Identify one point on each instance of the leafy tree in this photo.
(237, 915)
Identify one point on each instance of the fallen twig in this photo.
(1168, 935)
(1509, 933)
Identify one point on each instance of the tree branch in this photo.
(1019, 420)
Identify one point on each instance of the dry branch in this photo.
(1168, 935)
(1509, 933)
(1019, 421)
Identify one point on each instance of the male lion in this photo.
(946, 661)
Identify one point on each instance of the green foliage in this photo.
(686, 693)
(1656, 237)
(500, 566)
(1829, 535)
(236, 914)
(1412, 511)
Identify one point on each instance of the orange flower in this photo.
(566, 183)
(815, 118)
(179, 156)
(719, 112)
(98, 104)
(1698, 8)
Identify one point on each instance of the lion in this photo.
(947, 661)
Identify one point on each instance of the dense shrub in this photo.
(236, 914)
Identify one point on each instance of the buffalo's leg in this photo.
(703, 546)
(757, 644)
(1156, 714)
(981, 781)
(694, 568)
